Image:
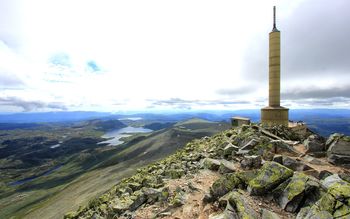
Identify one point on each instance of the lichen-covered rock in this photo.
(211, 164)
(333, 204)
(240, 206)
(154, 195)
(309, 213)
(224, 185)
(179, 198)
(270, 176)
(299, 188)
(174, 173)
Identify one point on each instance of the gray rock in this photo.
(294, 164)
(279, 146)
(278, 159)
(324, 174)
(229, 149)
(211, 164)
(333, 138)
(154, 195)
(308, 213)
(345, 176)
(266, 214)
(330, 180)
(250, 162)
(339, 150)
(250, 145)
(314, 143)
(300, 187)
(229, 213)
(226, 167)
(313, 160)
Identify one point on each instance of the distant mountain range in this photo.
(324, 121)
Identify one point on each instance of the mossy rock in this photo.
(178, 198)
(240, 206)
(174, 173)
(271, 175)
(224, 185)
(335, 202)
(299, 187)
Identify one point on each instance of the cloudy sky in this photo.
(170, 55)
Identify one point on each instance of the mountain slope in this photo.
(92, 172)
(247, 172)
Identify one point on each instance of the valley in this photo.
(53, 168)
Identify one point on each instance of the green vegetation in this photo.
(89, 169)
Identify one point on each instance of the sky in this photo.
(100, 55)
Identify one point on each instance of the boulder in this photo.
(324, 174)
(238, 204)
(270, 175)
(250, 145)
(174, 173)
(224, 185)
(226, 167)
(279, 146)
(338, 152)
(229, 149)
(313, 160)
(330, 180)
(309, 213)
(251, 162)
(333, 138)
(278, 159)
(125, 203)
(294, 164)
(333, 204)
(154, 195)
(345, 176)
(211, 164)
(266, 214)
(314, 143)
(298, 189)
(229, 213)
(179, 198)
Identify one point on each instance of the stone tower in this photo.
(274, 114)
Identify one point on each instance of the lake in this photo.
(115, 135)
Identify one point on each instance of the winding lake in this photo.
(115, 135)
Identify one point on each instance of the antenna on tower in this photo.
(274, 29)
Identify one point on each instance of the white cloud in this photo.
(140, 50)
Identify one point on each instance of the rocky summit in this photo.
(244, 172)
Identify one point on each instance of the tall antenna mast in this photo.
(274, 19)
